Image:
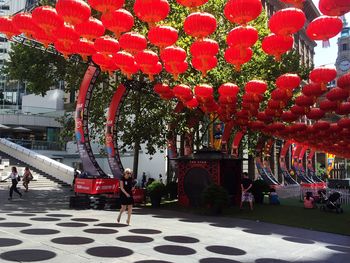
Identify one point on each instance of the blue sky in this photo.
(324, 56)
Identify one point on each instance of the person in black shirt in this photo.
(246, 187)
(126, 198)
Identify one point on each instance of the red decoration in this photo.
(73, 11)
(287, 21)
(191, 3)
(296, 3)
(304, 101)
(289, 116)
(183, 92)
(90, 29)
(163, 36)
(203, 54)
(323, 75)
(313, 89)
(334, 7)
(344, 81)
(84, 48)
(277, 45)
(343, 108)
(106, 6)
(46, 18)
(43, 38)
(151, 11)
(298, 110)
(256, 86)
(337, 94)
(288, 81)
(344, 123)
(24, 23)
(66, 50)
(174, 60)
(66, 35)
(106, 63)
(7, 27)
(315, 114)
(238, 57)
(242, 37)
(126, 62)
(242, 11)
(133, 42)
(200, 24)
(193, 103)
(321, 125)
(280, 94)
(328, 105)
(228, 89)
(148, 63)
(324, 28)
(118, 21)
(107, 45)
(204, 91)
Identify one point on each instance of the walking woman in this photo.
(14, 178)
(126, 199)
(27, 177)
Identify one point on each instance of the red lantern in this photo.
(84, 48)
(315, 114)
(289, 116)
(344, 123)
(344, 81)
(24, 23)
(275, 104)
(107, 45)
(228, 89)
(43, 38)
(73, 11)
(334, 128)
(343, 108)
(204, 91)
(296, 3)
(191, 3)
(242, 37)
(133, 42)
(313, 89)
(262, 116)
(126, 62)
(183, 92)
(323, 75)
(324, 28)
(304, 101)
(161, 88)
(321, 125)
(66, 50)
(162, 36)
(46, 18)
(90, 29)
(298, 110)
(148, 63)
(334, 7)
(193, 103)
(287, 21)
(204, 64)
(327, 105)
(118, 21)
(66, 35)
(238, 57)
(7, 28)
(256, 86)
(200, 24)
(242, 11)
(105, 6)
(337, 94)
(106, 63)
(204, 48)
(151, 11)
(275, 45)
(280, 94)
(176, 68)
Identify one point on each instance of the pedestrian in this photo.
(160, 178)
(246, 187)
(144, 179)
(27, 177)
(15, 179)
(75, 176)
(126, 198)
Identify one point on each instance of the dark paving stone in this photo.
(257, 232)
(152, 261)
(45, 219)
(218, 260)
(223, 225)
(1, 218)
(72, 240)
(21, 214)
(298, 240)
(192, 220)
(224, 250)
(37, 212)
(175, 250)
(145, 231)
(163, 216)
(270, 260)
(84, 219)
(73, 224)
(340, 249)
(40, 231)
(109, 252)
(181, 239)
(59, 215)
(135, 239)
(14, 224)
(100, 231)
(111, 225)
(7, 242)
(27, 255)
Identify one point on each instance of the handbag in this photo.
(18, 178)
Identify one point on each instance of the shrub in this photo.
(171, 189)
(215, 197)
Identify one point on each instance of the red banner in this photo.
(96, 186)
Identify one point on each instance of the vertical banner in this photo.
(111, 133)
(218, 132)
(235, 144)
(330, 163)
(90, 165)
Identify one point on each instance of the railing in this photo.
(26, 110)
(39, 145)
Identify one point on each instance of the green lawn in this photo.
(291, 213)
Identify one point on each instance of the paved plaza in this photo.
(41, 228)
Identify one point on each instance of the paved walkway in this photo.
(41, 228)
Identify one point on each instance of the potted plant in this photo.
(215, 197)
(155, 191)
(171, 189)
(259, 188)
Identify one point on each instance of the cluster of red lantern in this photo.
(164, 91)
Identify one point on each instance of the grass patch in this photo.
(291, 212)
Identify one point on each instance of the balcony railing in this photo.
(39, 145)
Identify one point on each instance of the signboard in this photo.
(96, 186)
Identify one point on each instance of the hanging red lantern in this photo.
(204, 48)
(24, 23)
(107, 45)
(344, 81)
(344, 123)
(275, 45)
(298, 127)
(256, 86)
(275, 104)
(304, 101)
(289, 116)
(327, 105)
(228, 89)
(313, 89)
(152, 70)
(280, 94)
(65, 49)
(204, 64)
(343, 108)
(192, 104)
(176, 68)
(173, 53)
(7, 28)
(287, 21)
(84, 48)
(315, 114)
(204, 91)
(262, 116)
(200, 24)
(238, 57)
(161, 88)
(43, 38)
(126, 62)
(105, 6)
(334, 7)
(288, 81)
(323, 28)
(46, 18)
(323, 75)
(66, 35)
(191, 3)
(118, 21)
(298, 110)
(321, 125)
(90, 29)
(334, 128)
(73, 11)
(183, 92)
(151, 11)
(148, 63)
(296, 3)
(106, 63)
(242, 37)
(256, 125)
(242, 11)
(163, 36)
(133, 42)
(251, 98)
(337, 94)
(275, 127)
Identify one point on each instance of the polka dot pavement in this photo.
(102, 231)
(8, 242)
(28, 255)
(40, 231)
(109, 252)
(72, 240)
(135, 239)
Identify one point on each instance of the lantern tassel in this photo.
(325, 44)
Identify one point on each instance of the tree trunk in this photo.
(137, 139)
(136, 159)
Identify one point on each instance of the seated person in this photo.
(273, 197)
(309, 201)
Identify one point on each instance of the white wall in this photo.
(53, 100)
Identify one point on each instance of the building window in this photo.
(3, 39)
(345, 46)
(3, 50)
(5, 7)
